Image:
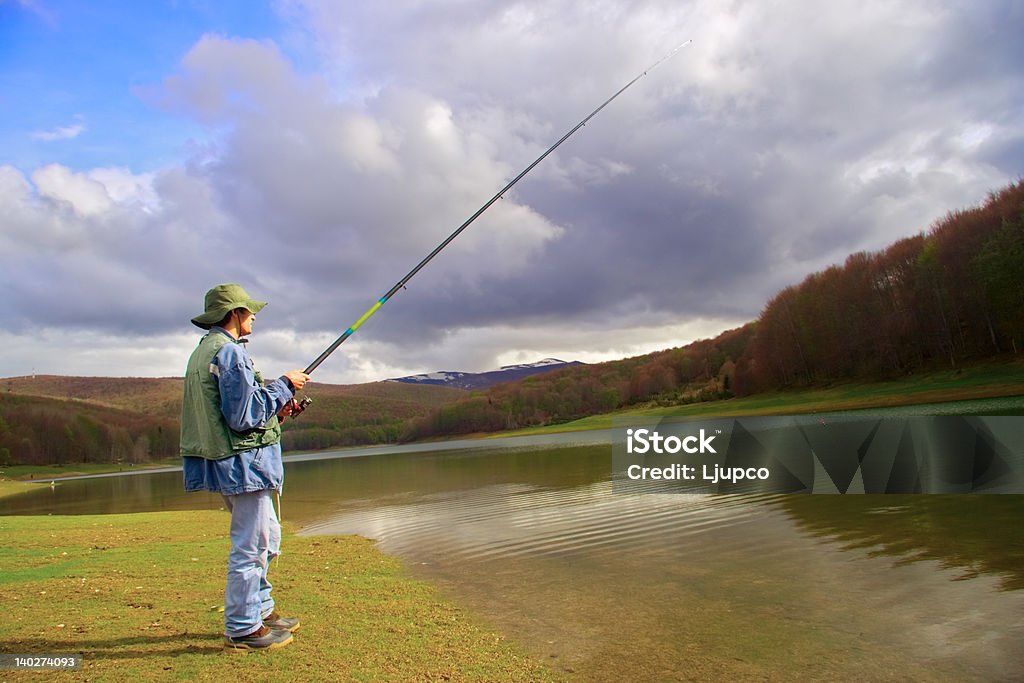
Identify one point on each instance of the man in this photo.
(231, 444)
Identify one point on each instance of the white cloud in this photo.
(52, 351)
(127, 188)
(85, 195)
(60, 133)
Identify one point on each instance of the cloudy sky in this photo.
(315, 151)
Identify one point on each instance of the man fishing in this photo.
(230, 434)
(231, 445)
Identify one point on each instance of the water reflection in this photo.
(640, 587)
(143, 492)
(974, 534)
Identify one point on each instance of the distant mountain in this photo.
(482, 380)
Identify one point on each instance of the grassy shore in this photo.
(1002, 380)
(138, 596)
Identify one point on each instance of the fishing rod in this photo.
(437, 250)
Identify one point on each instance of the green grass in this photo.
(138, 596)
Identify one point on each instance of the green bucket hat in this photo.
(223, 299)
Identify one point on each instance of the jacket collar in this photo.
(217, 328)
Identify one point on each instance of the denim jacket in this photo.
(245, 403)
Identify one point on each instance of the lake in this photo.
(527, 534)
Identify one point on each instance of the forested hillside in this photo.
(37, 430)
(950, 295)
(701, 371)
(157, 396)
(376, 413)
(49, 419)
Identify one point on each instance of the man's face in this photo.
(245, 322)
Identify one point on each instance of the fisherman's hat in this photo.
(223, 299)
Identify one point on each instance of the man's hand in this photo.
(298, 379)
(293, 408)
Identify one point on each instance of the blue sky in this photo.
(85, 66)
(315, 150)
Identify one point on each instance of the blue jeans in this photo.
(255, 541)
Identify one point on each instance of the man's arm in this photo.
(244, 402)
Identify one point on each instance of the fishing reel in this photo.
(294, 408)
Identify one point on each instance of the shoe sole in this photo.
(243, 647)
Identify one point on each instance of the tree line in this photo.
(952, 294)
(57, 420)
(38, 430)
(702, 371)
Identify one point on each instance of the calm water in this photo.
(661, 586)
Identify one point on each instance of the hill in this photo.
(349, 415)
(48, 419)
(148, 395)
(40, 430)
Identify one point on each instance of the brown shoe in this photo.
(262, 639)
(278, 623)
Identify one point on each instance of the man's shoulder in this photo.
(230, 353)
